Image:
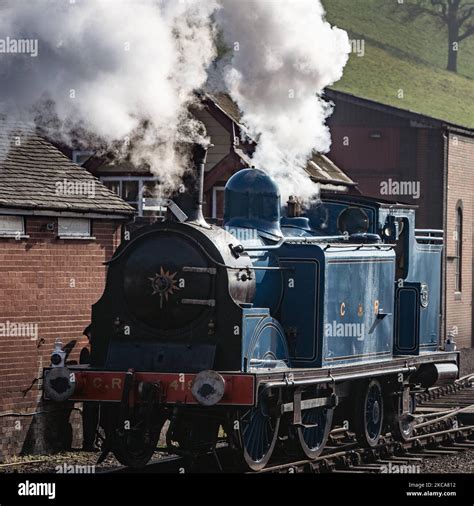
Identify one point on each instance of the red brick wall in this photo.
(50, 283)
(381, 155)
(460, 188)
(402, 154)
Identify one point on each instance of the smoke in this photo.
(284, 54)
(121, 75)
(116, 74)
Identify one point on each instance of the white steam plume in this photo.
(284, 54)
(121, 73)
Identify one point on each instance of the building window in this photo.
(140, 192)
(458, 249)
(74, 228)
(218, 203)
(81, 157)
(12, 226)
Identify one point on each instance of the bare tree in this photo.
(457, 15)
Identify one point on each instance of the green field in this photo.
(404, 55)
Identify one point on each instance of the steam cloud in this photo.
(122, 74)
(284, 55)
(116, 73)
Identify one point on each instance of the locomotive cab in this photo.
(417, 280)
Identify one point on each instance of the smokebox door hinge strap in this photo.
(201, 270)
(199, 302)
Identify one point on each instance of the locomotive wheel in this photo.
(136, 448)
(313, 438)
(133, 447)
(259, 428)
(194, 433)
(368, 419)
(401, 428)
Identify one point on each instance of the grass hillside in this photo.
(404, 55)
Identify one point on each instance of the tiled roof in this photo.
(36, 175)
(322, 170)
(227, 105)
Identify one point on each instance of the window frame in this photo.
(14, 234)
(215, 190)
(140, 179)
(77, 153)
(75, 236)
(458, 238)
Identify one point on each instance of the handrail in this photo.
(428, 235)
(322, 238)
(265, 247)
(428, 231)
(298, 240)
(428, 238)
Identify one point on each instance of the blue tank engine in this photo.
(272, 327)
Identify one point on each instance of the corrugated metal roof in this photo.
(36, 175)
(422, 118)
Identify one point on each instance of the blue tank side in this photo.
(301, 310)
(358, 305)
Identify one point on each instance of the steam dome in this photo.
(252, 200)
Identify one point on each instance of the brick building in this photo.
(407, 157)
(58, 224)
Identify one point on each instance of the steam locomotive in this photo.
(265, 331)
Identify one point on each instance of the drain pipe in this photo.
(444, 270)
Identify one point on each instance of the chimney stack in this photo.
(191, 199)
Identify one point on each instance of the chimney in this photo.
(191, 199)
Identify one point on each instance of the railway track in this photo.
(441, 399)
(444, 425)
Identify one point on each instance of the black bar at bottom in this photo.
(243, 490)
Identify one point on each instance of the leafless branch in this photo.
(465, 15)
(469, 31)
(443, 6)
(416, 11)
